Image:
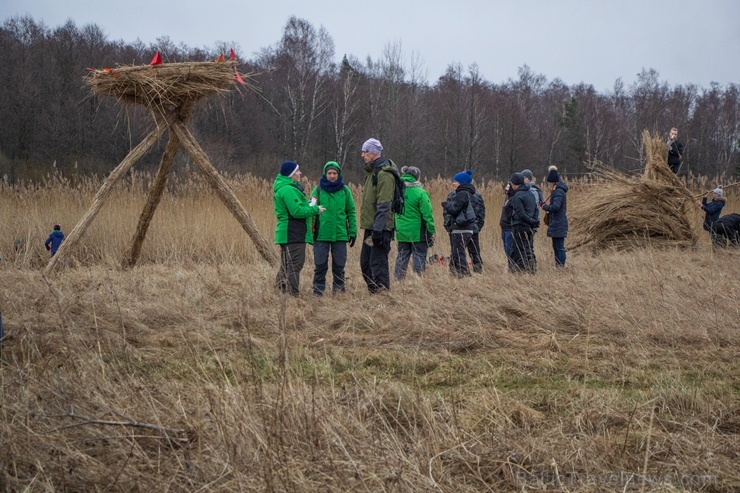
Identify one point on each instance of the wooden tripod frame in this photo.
(172, 118)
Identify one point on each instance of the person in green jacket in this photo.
(333, 229)
(293, 226)
(376, 216)
(415, 227)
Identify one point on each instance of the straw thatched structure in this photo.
(627, 212)
(163, 86)
(169, 91)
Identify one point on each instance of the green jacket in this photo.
(339, 220)
(376, 212)
(292, 212)
(417, 213)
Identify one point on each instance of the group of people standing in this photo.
(328, 221)
(520, 219)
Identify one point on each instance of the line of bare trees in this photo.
(307, 107)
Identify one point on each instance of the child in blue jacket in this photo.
(54, 240)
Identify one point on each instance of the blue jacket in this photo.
(713, 210)
(558, 227)
(55, 239)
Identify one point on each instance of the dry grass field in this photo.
(190, 373)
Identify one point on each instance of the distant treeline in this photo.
(305, 106)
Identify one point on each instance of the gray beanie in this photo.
(528, 174)
(413, 171)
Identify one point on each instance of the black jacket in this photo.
(524, 207)
(457, 204)
(675, 152)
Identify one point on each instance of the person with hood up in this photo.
(376, 216)
(293, 226)
(415, 227)
(557, 227)
(54, 240)
(712, 209)
(522, 224)
(459, 226)
(332, 229)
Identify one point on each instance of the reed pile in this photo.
(169, 84)
(654, 210)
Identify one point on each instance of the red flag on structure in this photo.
(238, 77)
(232, 55)
(221, 58)
(157, 60)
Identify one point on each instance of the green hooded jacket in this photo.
(375, 213)
(339, 220)
(292, 212)
(417, 213)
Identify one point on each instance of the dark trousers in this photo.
(459, 242)
(321, 251)
(558, 247)
(522, 254)
(292, 258)
(374, 262)
(407, 250)
(474, 251)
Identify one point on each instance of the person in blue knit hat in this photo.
(293, 226)
(479, 207)
(460, 226)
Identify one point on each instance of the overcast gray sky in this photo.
(592, 41)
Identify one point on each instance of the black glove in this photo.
(378, 239)
(352, 241)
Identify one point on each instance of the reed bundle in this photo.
(627, 212)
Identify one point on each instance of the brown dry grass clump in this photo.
(190, 373)
(625, 212)
(170, 84)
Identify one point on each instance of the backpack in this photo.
(468, 215)
(398, 196)
(480, 209)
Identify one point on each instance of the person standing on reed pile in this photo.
(333, 229)
(712, 209)
(293, 227)
(539, 198)
(726, 231)
(557, 227)
(460, 221)
(376, 216)
(54, 240)
(415, 227)
(523, 223)
(675, 151)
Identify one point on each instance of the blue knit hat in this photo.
(288, 168)
(552, 175)
(464, 177)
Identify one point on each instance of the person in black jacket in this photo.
(726, 230)
(675, 151)
(522, 225)
(557, 229)
(461, 229)
(712, 209)
(507, 237)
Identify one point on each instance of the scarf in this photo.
(331, 186)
